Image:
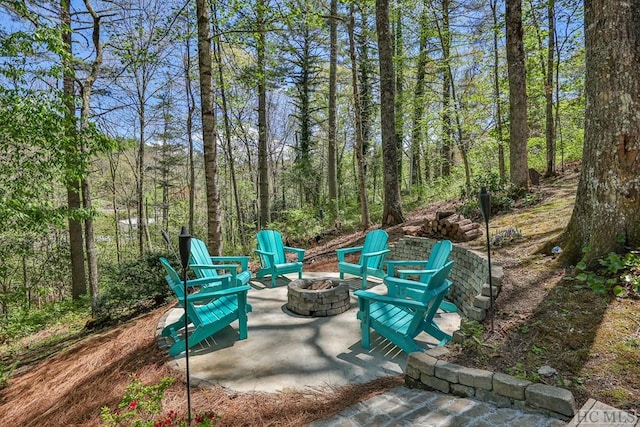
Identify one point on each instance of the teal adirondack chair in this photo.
(400, 320)
(205, 265)
(273, 260)
(372, 254)
(423, 269)
(209, 311)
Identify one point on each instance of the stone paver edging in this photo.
(505, 391)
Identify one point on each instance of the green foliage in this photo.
(5, 373)
(520, 371)
(619, 274)
(132, 287)
(502, 195)
(141, 406)
(24, 322)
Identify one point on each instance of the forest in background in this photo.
(102, 136)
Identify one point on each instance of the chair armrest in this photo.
(299, 252)
(391, 265)
(240, 259)
(232, 268)
(377, 253)
(342, 252)
(269, 255)
(204, 281)
(207, 295)
(371, 296)
(404, 273)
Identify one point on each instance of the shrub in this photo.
(502, 195)
(132, 287)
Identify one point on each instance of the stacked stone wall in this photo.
(428, 372)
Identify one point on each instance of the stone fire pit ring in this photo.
(305, 300)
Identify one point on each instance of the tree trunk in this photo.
(366, 93)
(191, 108)
(92, 257)
(392, 211)
(447, 128)
(76, 239)
(418, 102)
(227, 133)
(263, 160)
(496, 91)
(519, 172)
(399, 65)
(605, 216)
(140, 163)
(362, 183)
(214, 223)
(332, 177)
(550, 132)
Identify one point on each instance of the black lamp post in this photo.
(185, 248)
(485, 208)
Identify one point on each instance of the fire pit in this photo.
(318, 297)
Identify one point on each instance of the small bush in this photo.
(502, 195)
(132, 287)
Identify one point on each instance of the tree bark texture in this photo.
(87, 87)
(606, 213)
(76, 239)
(496, 91)
(214, 223)
(263, 160)
(550, 131)
(332, 176)
(392, 211)
(447, 128)
(362, 182)
(399, 65)
(519, 170)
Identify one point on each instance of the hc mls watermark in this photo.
(606, 417)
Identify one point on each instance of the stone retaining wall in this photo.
(470, 291)
(426, 371)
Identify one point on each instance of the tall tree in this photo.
(392, 212)
(398, 55)
(519, 170)
(447, 127)
(605, 216)
(417, 127)
(74, 200)
(214, 221)
(85, 94)
(332, 176)
(496, 90)
(357, 106)
(263, 157)
(227, 125)
(550, 131)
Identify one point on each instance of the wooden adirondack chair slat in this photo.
(422, 269)
(273, 259)
(400, 320)
(371, 260)
(209, 311)
(205, 265)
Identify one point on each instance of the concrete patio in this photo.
(287, 351)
